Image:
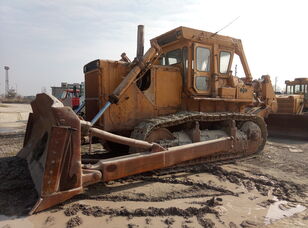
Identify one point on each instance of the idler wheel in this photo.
(254, 136)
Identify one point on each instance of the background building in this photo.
(57, 91)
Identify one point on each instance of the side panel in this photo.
(289, 104)
(208, 105)
(92, 90)
(168, 85)
(130, 110)
(244, 92)
(226, 92)
(163, 96)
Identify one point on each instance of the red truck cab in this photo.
(71, 98)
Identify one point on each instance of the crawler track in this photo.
(143, 129)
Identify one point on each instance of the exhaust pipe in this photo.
(140, 42)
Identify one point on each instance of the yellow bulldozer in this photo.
(291, 119)
(177, 102)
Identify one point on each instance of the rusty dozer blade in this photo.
(52, 150)
(288, 126)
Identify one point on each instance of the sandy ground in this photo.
(266, 190)
(13, 117)
(269, 189)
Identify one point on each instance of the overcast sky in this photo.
(47, 42)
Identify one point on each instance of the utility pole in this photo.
(6, 93)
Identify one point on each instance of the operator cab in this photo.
(205, 60)
(298, 86)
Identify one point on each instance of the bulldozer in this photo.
(291, 119)
(295, 99)
(177, 103)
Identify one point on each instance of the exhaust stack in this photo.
(140, 42)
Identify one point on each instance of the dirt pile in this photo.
(97, 211)
(17, 192)
(73, 222)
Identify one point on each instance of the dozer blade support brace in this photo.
(52, 150)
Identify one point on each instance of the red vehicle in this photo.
(71, 98)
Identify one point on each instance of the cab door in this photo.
(202, 69)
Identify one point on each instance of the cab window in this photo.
(237, 67)
(224, 62)
(162, 60)
(202, 83)
(297, 89)
(171, 57)
(203, 59)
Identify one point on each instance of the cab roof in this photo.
(195, 35)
